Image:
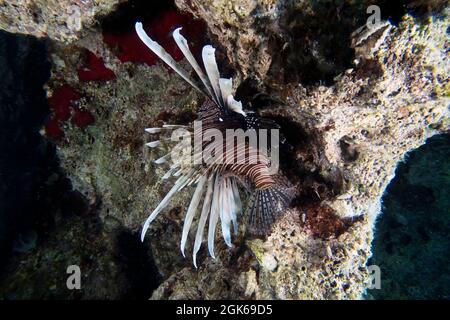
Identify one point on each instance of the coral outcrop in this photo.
(350, 106)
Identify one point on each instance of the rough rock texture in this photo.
(394, 99)
(343, 141)
(411, 242)
(378, 116)
(236, 32)
(62, 20)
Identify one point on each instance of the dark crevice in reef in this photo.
(315, 46)
(127, 13)
(137, 265)
(349, 152)
(411, 244)
(35, 194)
(45, 224)
(303, 163)
(314, 177)
(421, 9)
(159, 19)
(249, 92)
(26, 159)
(315, 42)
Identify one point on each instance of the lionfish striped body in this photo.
(217, 181)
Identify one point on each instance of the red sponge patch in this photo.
(61, 101)
(95, 69)
(129, 47)
(61, 105)
(82, 118)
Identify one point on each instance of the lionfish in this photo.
(217, 183)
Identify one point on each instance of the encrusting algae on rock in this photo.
(343, 142)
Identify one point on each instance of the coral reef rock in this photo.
(65, 20)
(350, 107)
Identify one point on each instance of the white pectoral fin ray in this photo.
(153, 130)
(203, 217)
(226, 88)
(168, 174)
(237, 205)
(191, 211)
(234, 105)
(213, 217)
(225, 211)
(184, 47)
(153, 144)
(209, 61)
(163, 159)
(218, 89)
(163, 55)
(176, 187)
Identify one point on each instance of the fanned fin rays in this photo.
(220, 91)
(266, 205)
(179, 184)
(191, 211)
(203, 217)
(163, 55)
(216, 193)
(216, 88)
(184, 47)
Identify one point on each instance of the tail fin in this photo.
(266, 206)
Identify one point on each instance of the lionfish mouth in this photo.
(217, 166)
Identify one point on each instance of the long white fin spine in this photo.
(203, 217)
(184, 47)
(163, 55)
(209, 61)
(191, 212)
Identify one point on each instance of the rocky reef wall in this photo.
(351, 102)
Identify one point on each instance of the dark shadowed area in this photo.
(412, 244)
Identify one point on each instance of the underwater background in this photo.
(49, 220)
